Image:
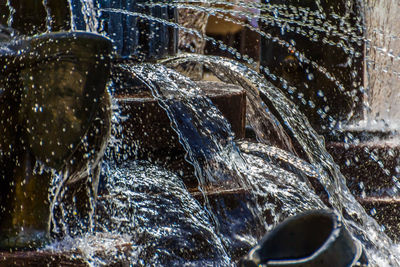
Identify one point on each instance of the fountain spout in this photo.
(314, 238)
(55, 123)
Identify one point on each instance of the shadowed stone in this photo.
(55, 116)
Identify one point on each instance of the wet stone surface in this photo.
(321, 74)
(369, 167)
(369, 161)
(147, 131)
(386, 211)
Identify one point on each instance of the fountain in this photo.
(51, 102)
(212, 192)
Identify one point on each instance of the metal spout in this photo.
(311, 239)
(55, 113)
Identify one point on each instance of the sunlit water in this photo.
(145, 214)
(219, 163)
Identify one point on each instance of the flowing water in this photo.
(329, 174)
(145, 215)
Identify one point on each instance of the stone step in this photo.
(147, 132)
(386, 211)
(370, 170)
(39, 259)
(368, 166)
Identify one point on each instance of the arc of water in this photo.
(300, 56)
(276, 16)
(333, 181)
(266, 71)
(71, 8)
(205, 135)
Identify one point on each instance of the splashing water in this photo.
(147, 216)
(330, 177)
(279, 198)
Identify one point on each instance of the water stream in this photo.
(219, 163)
(329, 174)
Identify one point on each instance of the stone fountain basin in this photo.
(143, 110)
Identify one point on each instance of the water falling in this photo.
(331, 179)
(279, 197)
(146, 215)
